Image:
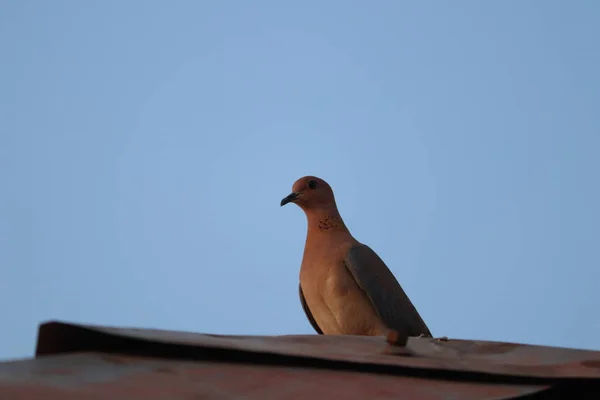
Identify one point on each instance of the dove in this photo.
(345, 288)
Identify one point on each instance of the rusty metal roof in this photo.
(77, 361)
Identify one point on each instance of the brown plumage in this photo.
(345, 288)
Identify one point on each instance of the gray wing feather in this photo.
(309, 315)
(387, 296)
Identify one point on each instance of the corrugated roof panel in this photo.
(77, 361)
(97, 376)
(420, 354)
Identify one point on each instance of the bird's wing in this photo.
(309, 315)
(387, 296)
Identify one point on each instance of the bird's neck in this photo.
(325, 220)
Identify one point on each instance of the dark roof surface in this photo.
(76, 361)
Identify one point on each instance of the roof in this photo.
(81, 361)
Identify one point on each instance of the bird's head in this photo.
(310, 192)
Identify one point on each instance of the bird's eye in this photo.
(312, 184)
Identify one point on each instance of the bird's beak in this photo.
(289, 198)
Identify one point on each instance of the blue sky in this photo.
(145, 147)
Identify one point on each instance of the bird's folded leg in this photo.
(395, 338)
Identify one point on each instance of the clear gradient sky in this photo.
(145, 147)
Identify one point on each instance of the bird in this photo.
(345, 288)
